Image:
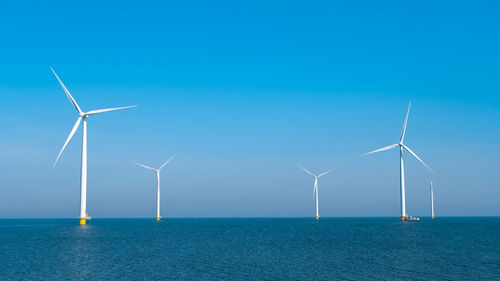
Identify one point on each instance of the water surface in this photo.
(250, 249)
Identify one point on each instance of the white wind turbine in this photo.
(158, 183)
(430, 182)
(401, 171)
(315, 190)
(83, 179)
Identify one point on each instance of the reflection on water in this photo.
(80, 265)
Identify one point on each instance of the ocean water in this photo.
(251, 249)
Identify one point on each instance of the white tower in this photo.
(401, 165)
(83, 179)
(315, 191)
(157, 183)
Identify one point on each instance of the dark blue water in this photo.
(251, 249)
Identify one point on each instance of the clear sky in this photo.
(245, 91)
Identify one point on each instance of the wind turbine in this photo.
(158, 183)
(402, 171)
(81, 116)
(432, 194)
(315, 190)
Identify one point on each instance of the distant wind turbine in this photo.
(82, 115)
(401, 171)
(158, 183)
(315, 191)
(432, 194)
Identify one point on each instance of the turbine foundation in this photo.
(83, 221)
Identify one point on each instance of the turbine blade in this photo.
(404, 126)
(382, 149)
(327, 172)
(307, 171)
(71, 99)
(67, 140)
(161, 167)
(107, 110)
(144, 166)
(418, 158)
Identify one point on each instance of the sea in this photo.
(451, 248)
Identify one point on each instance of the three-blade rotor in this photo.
(401, 144)
(82, 115)
(315, 178)
(161, 167)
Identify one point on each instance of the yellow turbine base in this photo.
(83, 221)
(403, 218)
(432, 217)
(157, 218)
(317, 217)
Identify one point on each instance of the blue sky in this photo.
(245, 91)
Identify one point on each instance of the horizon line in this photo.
(249, 217)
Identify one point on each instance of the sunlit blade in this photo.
(327, 172)
(381, 149)
(144, 166)
(314, 192)
(307, 171)
(163, 165)
(415, 155)
(67, 140)
(404, 126)
(108, 110)
(67, 92)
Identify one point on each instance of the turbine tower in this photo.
(402, 147)
(315, 190)
(82, 116)
(158, 183)
(432, 194)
